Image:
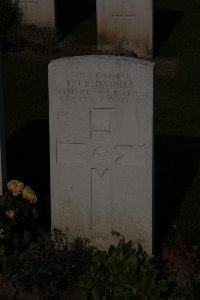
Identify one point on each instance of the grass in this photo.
(177, 121)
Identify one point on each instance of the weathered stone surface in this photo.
(38, 12)
(101, 133)
(125, 24)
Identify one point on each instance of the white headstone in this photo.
(38, 12)
(101, 133)
(125, 24)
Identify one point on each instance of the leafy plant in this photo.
(18, 215)
(10, 14)
(52, 265)
(123, 273)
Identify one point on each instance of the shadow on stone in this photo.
(164, 22)
(70, 13)
(176, 163)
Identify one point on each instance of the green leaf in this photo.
(111, 249)
(129, 244)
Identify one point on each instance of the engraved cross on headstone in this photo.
(101, 154)
(124, 15)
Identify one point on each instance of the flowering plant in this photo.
(18, 214)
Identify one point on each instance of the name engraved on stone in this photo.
(105, 84)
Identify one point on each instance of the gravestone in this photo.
(125, 24)
(38, 12)
(101, 129)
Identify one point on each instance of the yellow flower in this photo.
(29, 194)
(15, 187)
(10, 214)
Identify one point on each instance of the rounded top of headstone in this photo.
(105, 58)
